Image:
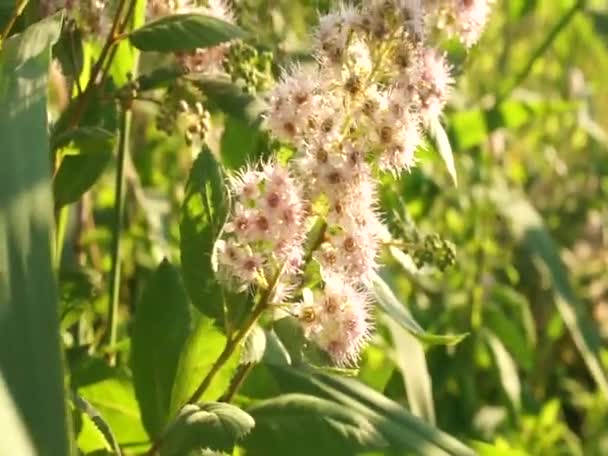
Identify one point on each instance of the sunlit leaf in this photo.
(30, 359)
(389, 303)
(111, 393)
(202, 348)
(162, 324)
(254, 346)
(445, 149)
(204, 212)
(184, 32)
(410, 358)
(78, 171)
(101, 425)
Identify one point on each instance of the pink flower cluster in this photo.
(265, 231)
(336, 319)
(464, 19)
(377, 85)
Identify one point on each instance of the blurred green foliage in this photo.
(515, 255)
(518, 380)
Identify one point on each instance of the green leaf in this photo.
(30, 359)
(290, 336)
(410, 359)
(111, 393)
(69, 50)
(510, 335)
(203, 347)
(184, 32)
(77, 173)
(99, 110)
(160, 77)
(211, 426)
(527, 227)
(520, 8)
(102, 426)
(389, 303)
(223, 95)
(468, 128)
(125, 57)
(240, 144)
(400, 429)
(300, 424)
(507, 369)
(16, 439)
(162, 324)
(77, 290)
(254, 346)
(203, 215)
(445, 149)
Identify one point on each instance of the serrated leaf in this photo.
(162, 324)
(389, 303)
(111, 392)
(77, 173)
(202, 348)
(184, 32)
(214, 426)
(30, 360)
(254, 346)
(102, 426)
(204, 212)
(291, 337)
(300, 424)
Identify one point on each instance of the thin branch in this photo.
(19, 7)
(237, 382)
(230, 347)
(119, 207)
(540, 51)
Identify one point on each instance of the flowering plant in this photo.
(279, 279)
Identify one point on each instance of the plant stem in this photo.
(19, 7)
(234, 342)
(61, 217)
(237, 382)
(544, 46)
(316, 242)
(113, 37)
(229, 348)
(119, 204)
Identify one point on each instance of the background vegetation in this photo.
(523, 272)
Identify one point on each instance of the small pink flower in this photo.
(267, 221)
(336, 319)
